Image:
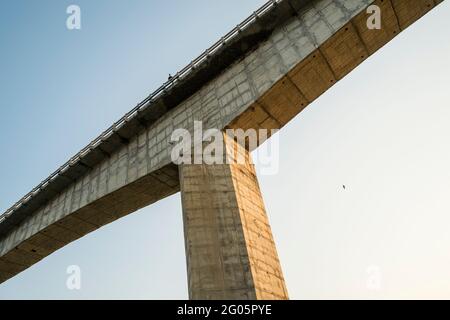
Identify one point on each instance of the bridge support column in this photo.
(230, 250)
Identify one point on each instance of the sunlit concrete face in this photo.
(230, 251)
(265, 89)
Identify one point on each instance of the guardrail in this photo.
(143, 104)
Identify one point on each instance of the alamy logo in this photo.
(214, 146)
(374, 20)
(73, 281)
(374, 278)
(73, 21)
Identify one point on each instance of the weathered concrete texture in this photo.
(230, 250)
(328, 63)
(265, 89)
(50, 232)
(216, 104)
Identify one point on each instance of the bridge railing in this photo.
(144, 104)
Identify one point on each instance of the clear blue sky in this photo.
(382, 131)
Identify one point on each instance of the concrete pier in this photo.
(230, 250)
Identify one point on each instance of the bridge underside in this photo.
(300, 86)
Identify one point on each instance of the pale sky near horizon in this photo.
(383, 132)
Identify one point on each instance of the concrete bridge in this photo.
(260, 76)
